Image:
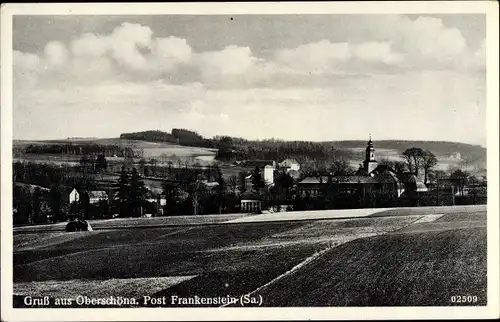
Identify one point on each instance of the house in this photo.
(160, 200)
(72, 196)
(373, 180)
(250, 203)
(267, 171)
(210, 185)
(289, 165)
(97, 196)
(313, 186)
(269, 174)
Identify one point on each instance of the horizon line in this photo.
(266, 139)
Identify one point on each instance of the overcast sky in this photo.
(306, 77)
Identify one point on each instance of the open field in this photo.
(124, 223)
(402, 269)
(390, 150)
(150, 149)
(414, 258)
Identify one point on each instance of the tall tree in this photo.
(221, 189)
(137, 193)
(195, 188)
(128, 161)
(460, 177)
(396, 165)
(414, 159)
(232, 183)
(23, 205)
(85, 163)
(124, 193)
(283, 184)
(40, 206)
(153, 162)
(56, 203)
(429, 161)
(101, 164)
(257, 180)
(242, 184)
(341, 168)
(171, 192)
(142, 166)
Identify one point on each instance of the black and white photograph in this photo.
(249, 159)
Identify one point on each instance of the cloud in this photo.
(315, 57)
(25, 61)
(407, 68)
(230, 61)
(429, 38)
(56, 54)
(377, 52)
(132, 52)
(170, 52)
(89, 45)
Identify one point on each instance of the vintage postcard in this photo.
(249, 161)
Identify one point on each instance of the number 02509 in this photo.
(463, 299)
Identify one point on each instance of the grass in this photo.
(88, 240)
(220, 273)
(410, 264)
(133, 287)
(150, 149)
(473, 209)
(127, 223)
(479, 216)
(422, 269)
(160, 256)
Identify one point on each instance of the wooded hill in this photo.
(233, 148)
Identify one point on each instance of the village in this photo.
(106, 188)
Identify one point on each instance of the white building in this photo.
(74, 196)
(290, 165)
(269, 174)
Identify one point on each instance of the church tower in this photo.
(370, 163)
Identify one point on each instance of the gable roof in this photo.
(312, 180)
(288, 162)
(421, 187)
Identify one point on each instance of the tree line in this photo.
(230, 149)
(178, 136)
(80, 149)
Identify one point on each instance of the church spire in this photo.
(370, 163)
